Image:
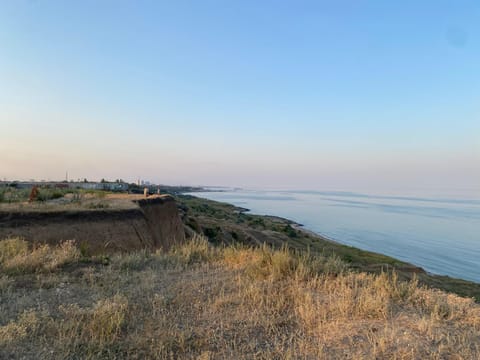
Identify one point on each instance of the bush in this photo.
(50, 194)
(289, 231)
(11, 194)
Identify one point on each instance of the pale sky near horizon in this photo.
(275, 94)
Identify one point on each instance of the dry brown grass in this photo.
(17, 256)
(205, 302)
(78, 201)
(9, 248)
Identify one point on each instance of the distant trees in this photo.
(118, 181)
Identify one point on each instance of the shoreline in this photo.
(359, 259)
(415, 246)
(301, 228)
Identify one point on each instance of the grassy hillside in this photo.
(227, 224)
(212, 302)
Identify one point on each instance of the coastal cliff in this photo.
(269, 289)
(142, 223)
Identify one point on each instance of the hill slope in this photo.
(202, 301)
(227, 224)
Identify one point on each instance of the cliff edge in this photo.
(125, 224)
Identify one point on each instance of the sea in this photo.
(440, 233)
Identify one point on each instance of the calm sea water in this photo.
(440, 234)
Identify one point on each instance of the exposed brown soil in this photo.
(121, 223)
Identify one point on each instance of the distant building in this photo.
(115, 186)
(109, 186)
(87, 185)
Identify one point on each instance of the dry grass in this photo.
(17, 257)
(77, 200)
(205, 302)
(12, 247)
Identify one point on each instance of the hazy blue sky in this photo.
(280, 94)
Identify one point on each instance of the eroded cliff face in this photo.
(163, 220)
(153, 223)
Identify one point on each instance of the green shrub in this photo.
(289, 231)
(50, 194)
(10, 194)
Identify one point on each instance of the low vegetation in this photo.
(17, 257)
(13, 195)
(207, 302)
(227, 224)
(14, 200)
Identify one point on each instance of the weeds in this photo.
(13, 195)
(266, 262)
(11, 248)
(107, 319)
(46, 194)
(98, 205)
(17, 258)
(16, 331)
(197, 250)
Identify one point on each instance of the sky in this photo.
(261, 94)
